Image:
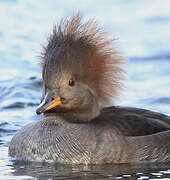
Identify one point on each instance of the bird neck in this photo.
(76, 116)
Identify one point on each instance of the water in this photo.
(144, 31)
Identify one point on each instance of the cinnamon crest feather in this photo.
(90, 54)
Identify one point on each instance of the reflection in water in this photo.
(56, 171)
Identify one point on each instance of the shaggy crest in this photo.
(96, 60)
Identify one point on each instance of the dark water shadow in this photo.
(87, 172)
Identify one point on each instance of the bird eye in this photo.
(71, 82)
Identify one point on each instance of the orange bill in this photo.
(55, 103)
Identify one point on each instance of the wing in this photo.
(136, 122)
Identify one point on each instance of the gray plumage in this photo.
(81, 74)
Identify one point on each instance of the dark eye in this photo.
(71, 82)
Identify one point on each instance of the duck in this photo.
(82, 76)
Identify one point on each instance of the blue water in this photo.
(144, 31)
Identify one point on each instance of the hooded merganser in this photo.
(82, 73)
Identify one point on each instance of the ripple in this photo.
(15, 105)
(3, 123)
(19, 105)
(16, 93)
(162, 100)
